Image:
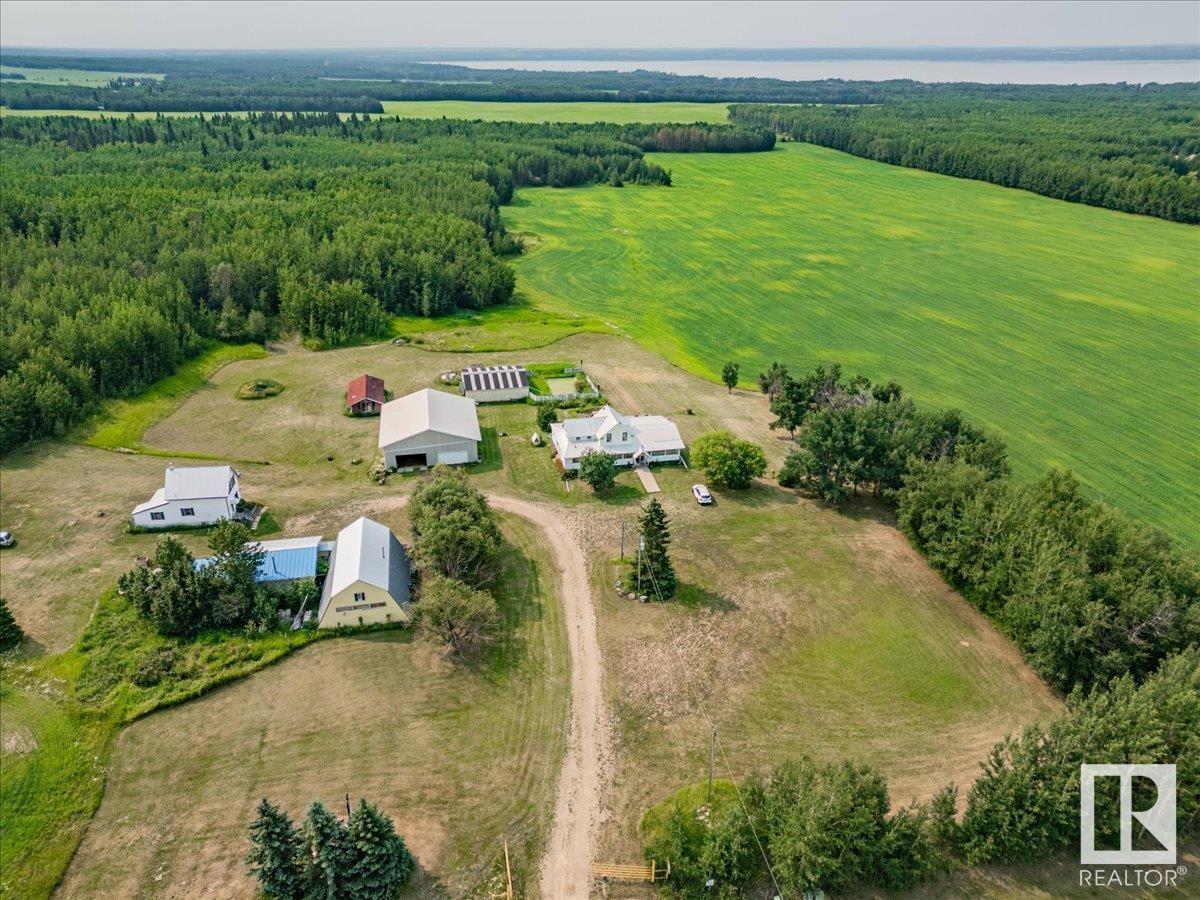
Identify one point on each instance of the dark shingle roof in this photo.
(494, 378)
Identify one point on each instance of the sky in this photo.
(218, 24)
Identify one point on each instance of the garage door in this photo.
(452, 457)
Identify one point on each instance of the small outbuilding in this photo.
(428, 428)
(495, 384)
(369, 580)
(285, 561)
(366, 395)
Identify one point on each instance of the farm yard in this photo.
(381, 716)
(844, 590)
(1046, 320)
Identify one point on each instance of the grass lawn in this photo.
(62, 712)
(459, 755)
(122, 423)
(515, 327)
(1071, 330)
(800, 630)
(557, 112)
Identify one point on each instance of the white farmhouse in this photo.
(427, 428)
(194, 495)
(369, 578)
(630, 440)
(495, 384)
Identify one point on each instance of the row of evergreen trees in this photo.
(326, 858)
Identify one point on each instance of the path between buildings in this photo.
(566, 867)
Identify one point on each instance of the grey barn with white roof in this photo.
(495, 384)
(429, 427)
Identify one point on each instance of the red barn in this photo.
(365, 395)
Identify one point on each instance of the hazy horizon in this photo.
(216, 25)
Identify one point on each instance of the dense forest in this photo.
(128, 244)
(1135, 149)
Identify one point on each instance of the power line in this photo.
(713, 730)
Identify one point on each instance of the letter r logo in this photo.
(1159, 819)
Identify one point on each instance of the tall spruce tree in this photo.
(382, 863)
(11, 634)
(651, 567)
(274, 855)
(327, 854)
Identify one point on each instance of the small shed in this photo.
(365, 396)
(495, 384)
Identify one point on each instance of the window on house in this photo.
(157, 517)
(608, 437)
(624, 436)
(187, 511)
(360, 597)
(232, 481)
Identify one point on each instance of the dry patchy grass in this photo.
(458, 756)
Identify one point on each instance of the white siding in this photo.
(206, 511)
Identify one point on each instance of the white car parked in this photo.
(700, 492)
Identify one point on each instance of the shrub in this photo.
(464, 618)
(547, 415)
(598, 469)
(259, 389)
(455, 533)
(155, 666)
(727, 461)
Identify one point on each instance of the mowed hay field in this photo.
(458, 756)
(499, 111)
(1073, 331)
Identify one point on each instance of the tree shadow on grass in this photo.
(518, 592)
(490, 458)
(693, 596)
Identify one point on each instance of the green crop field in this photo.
(1071, 330)
(85, 77)
(557, 112)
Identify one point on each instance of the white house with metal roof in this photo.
(427, 428)
(494, 384)
(369, 578)
(192, 495)
(630, 440)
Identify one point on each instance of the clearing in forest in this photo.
(1072, 331)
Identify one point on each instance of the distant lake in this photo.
(986, 72)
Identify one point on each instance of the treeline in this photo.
(827, 827)
(349, 81)
(1085, 593)
(130, 244)
(1124, 147)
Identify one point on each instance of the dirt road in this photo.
(566, 868)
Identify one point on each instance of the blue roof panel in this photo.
(281, 565)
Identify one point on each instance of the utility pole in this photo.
(641, 547)
(712, 754)
(622, 542)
